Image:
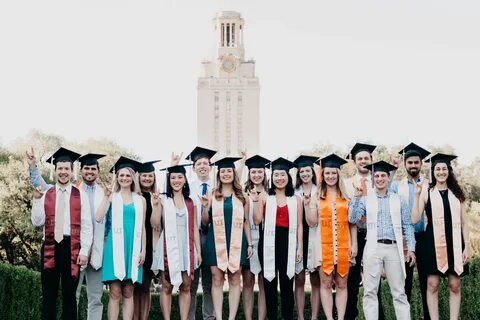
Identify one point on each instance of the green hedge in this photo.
(20, 297)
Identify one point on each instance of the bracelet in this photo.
(255, 200)
(250, 245)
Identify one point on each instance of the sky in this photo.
(331, 72)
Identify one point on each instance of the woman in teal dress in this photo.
(125, 210)
(229, 241)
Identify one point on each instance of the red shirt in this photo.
(282, 216)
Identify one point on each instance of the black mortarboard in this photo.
(256, 162)
(381, 166)
(200, 152)
(441, 158)
(331, 161)
(281, 164)
(147, 166)
(63, 154)
(305, 161)
(179, 168)
(90, 159)
(124, 162)
(227, 162)
(359, 147)
(414, 150)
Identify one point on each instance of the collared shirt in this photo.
(86, 227)
(196, 195)
(357, 209)
(355, 181)
(90, 191)
(420, 225)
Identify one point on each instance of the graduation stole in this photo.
(269, 237)
(75, 219)
(171, 253)
(255, 266)
(314, 254)
(372, 216)
(96, 255)
(341, 212)
(438, 221)
(228, 259)
(118, 238)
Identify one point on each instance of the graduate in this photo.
(64, 213)
(229, 240)
(125, 243)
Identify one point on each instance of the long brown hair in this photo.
(249, 185)
(322, 194)
(237, 188)
(452, 184)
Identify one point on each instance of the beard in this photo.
(413, 172)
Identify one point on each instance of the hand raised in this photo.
(31, 159)
(37, 192)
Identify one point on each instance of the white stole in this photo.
(96, 258)
(314, 253)
(171, 241)
(255, 266)
(372, 212)
(269, 237)
(117, 236)
(403, 190)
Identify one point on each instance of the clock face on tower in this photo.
(228, 63)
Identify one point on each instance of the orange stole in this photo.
(326, 232)
(224, 260)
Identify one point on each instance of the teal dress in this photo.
(209, 250)
(128, 232)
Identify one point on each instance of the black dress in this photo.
(429, 257)
(148, 232)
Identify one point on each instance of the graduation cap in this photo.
(90, 159)
(147, 166)
(124, 162)
(256, 162)
(381, 166)
(200, 152)
(62, 155)
(227, 162)
(179, 168)
(359, 147)
(441, 158)
(412, 150)
(331, 161)
(305, 161)
(281, 164)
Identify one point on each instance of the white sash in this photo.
(372, 211)
(269, 237)
(403, 190)
(314, 253)
(117, 236)
(171, 240)
(255, 266)
(96, 258)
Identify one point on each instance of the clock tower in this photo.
(228, 92)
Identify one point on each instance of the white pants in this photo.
(386, 257)
(94, 291)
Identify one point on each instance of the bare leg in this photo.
(247, 292)
(166, 298)
(218, 278)
(341, 296)
(315, 295)
(141, 298)
(114, 300)
(127, 306)
(234, 293)
(455, 296)
(300, 294)
(184, 296)
(262, 305)
(433, 283)
(326, 293)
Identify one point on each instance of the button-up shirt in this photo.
(196, 195)
(357, 209)
(86, 227)
(420, 225)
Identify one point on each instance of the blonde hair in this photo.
(134, 187)
(322, 194)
